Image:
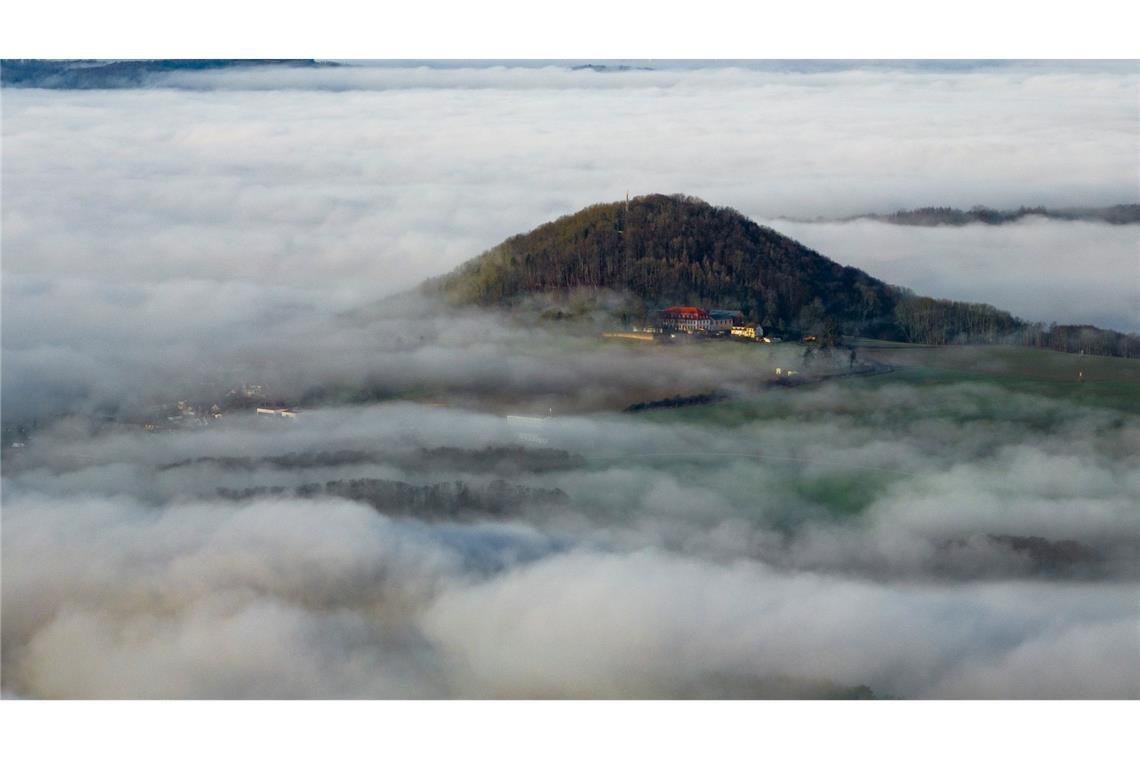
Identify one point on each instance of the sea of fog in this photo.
(809, 542)
(955, 540)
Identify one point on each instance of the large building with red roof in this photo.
(693, 319)
(685, 319)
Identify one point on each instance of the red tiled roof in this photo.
(687, 312)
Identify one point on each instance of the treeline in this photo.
(435, 501)
(1076, 339)
(939, 321)
(935, 216)
(497, 459)
(674, 402)
(943, 322)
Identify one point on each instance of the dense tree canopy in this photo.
(669, 250)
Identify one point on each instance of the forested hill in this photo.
(673, 249)
(665, 250)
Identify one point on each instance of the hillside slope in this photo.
(666, 250)
(674, 249)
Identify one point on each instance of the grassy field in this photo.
(1006, 361)
(638, 372)
(1102, 381)
(1093, 381)
(839, 444)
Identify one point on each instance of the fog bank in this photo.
(960, 541)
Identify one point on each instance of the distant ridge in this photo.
(661, 250)
(104, 75)
(603, 68)
(945, 216)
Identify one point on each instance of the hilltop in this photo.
(660, 250)
(673, 249)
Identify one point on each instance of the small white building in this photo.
(273, 411)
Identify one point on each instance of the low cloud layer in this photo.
(1038, 269)
(823, 541)
(151, 233)
(328, 600)
(852, 537)
(122, 349)
(406, 172)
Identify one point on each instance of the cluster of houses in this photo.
(693, 320)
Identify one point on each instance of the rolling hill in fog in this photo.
(661, 250)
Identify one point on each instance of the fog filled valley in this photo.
(872, 535)
(246, 456)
